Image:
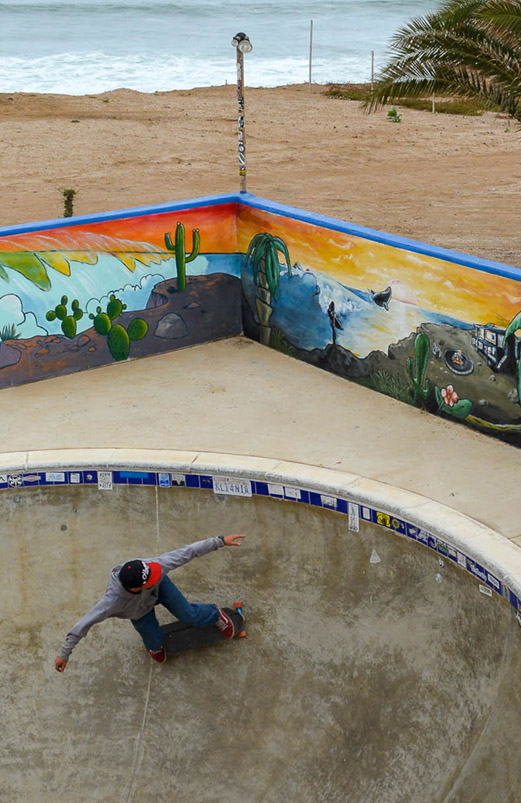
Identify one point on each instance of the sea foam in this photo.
(89, 46)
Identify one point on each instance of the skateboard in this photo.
(180, 637)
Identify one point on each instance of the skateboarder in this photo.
(136, 586)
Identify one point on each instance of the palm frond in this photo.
(272, 270)
(467, 48)
(281, 246)
(504, 15)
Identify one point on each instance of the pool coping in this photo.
(487, 555)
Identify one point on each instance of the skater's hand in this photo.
(60, 664)
(233, 540)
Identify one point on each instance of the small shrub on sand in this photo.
(68, 202)
(393, 116)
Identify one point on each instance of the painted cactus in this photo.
(118, 338)
(115, 307)
(68, 322)
(101, 321)
(118, 342)
(421, 388)
(181, 257)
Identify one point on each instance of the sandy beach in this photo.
(448, 180)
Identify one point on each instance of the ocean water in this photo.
(77, 47)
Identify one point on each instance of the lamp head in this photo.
(242, 43)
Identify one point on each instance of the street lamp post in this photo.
(242, 45)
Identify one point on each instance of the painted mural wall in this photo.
(429, 327)
(84, 293)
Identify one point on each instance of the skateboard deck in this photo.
(180, 637)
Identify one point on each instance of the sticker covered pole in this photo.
(242, 45)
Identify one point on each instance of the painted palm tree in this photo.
(263, 252)
(466, 48)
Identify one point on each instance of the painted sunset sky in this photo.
(464, 293)
(131, 235)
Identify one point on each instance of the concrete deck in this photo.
(235, 396)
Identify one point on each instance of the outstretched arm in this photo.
(105, 608)
(183, 555)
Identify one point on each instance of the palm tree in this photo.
(467, 48)
(263, 252)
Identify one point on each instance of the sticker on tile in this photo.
(477, 570)
(164, 480)
(412, 531)
(105, 480)
(30, 478)
(354, 517)
(485, 590)
(179, 480)
(391, 522)
(14, 480)
(275, 490)
(447, 551)
(75, 477)
(493, 581)
(328, 501)
(422, 537)
(291, 493)
(55, 476)
(231, 487)
(375, 558)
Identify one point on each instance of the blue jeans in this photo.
(194, 614)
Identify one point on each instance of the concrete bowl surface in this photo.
(374, 669)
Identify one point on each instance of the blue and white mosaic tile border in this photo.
(355, 511)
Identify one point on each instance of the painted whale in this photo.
(382, 298)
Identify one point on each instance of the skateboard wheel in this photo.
(237, 605)
(241, 634)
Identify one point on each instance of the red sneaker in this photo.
(158, 655)
(225, 625)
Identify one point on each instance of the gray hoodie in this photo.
(124, 604)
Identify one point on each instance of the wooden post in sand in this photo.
(243, 45)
